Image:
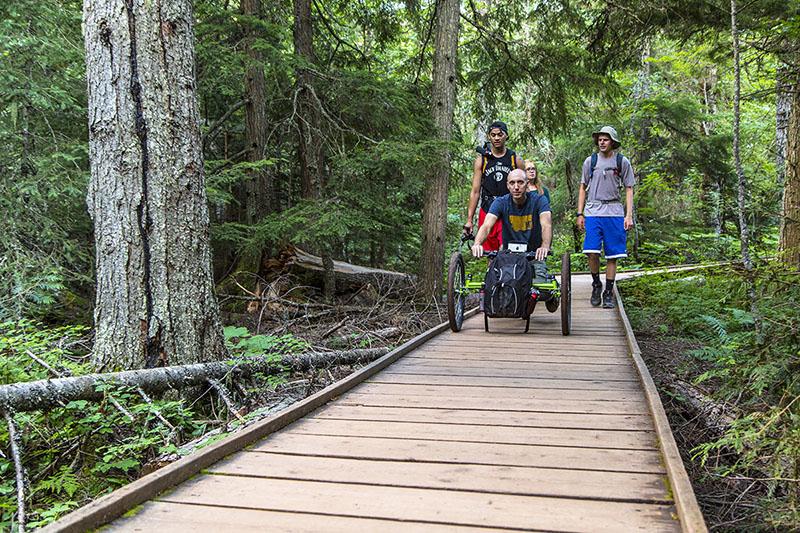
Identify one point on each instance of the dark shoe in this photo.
(596, 290)
(608, 300)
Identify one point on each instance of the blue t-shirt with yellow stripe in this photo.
(521, 222)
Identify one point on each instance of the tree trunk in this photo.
(434, 213)
(783, 108)
(577, 242)
(790, 221)
(712, 183)
(260, 195)
(155, 301)
(306, 111)
(641, 153)
(744, 231)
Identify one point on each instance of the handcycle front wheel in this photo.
(456, 286)
(566, 294)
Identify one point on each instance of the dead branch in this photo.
(45, 394)
(223, 393)
(336, 327)
(212, 131)
(16, 447)
(155, 411)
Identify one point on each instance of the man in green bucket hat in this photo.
(601, 213)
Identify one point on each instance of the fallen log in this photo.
(716, 417)
(347, 274)
(48, 393)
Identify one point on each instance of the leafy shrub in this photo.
(751, 358)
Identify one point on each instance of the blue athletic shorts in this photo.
(608, 232)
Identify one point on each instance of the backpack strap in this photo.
(591, 169)
(617, 171)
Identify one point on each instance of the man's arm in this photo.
(583, 191)
(546, 220)
(581, 220)
(483, 232)
(475, 193)
(628, 208)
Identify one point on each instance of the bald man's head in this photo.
(517, 173)
(517, 183)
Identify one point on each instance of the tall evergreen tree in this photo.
(434, 214)
(155, 301)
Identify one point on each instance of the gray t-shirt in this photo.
(603, 196)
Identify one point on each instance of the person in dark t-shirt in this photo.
(526, 219)
(489, 174)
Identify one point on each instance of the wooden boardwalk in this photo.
(470, 431)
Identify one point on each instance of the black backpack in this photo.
(507, 287)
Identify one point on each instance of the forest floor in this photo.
(727, 504)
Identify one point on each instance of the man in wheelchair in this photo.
(527, 224)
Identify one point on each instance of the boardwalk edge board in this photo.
(115, 504)
(689, 514)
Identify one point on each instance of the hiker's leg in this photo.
(614, 246)
(611, 269)
(539, 271)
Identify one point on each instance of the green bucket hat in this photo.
(608, 130)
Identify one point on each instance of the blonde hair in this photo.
(537, 181)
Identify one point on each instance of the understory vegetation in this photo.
(743, 446)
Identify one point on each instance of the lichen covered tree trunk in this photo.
(790, 221)
(434, 213)
(155, 302)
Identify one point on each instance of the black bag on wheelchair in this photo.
(507, 287)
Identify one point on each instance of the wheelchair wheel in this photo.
(566, 294)
(456, 283)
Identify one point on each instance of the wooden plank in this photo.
(168, 517)
(540, 356)
(454, 391)
(543, 436)
(434, 506)
(686, 503)
(489, 381)
(492, 341)
(512, 365)
(621, 374)
(489, 418)
(522, 481)
(112, 505)
(497, 404)
(479, 453)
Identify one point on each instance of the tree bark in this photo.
(49, 393)
(642, 129)
(790, 221)
(259, 187)
(155, 301)
(784, 90)
(744, 230)
(306, 112)
(712, 183)
(577, 242)
(434, 213)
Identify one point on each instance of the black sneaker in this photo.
(596, 290)
(608, 300)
